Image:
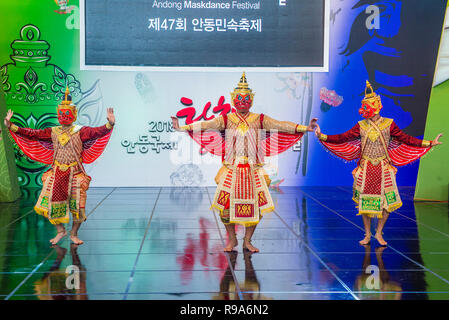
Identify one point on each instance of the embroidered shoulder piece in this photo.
(64, 136)
(385, 123)
(234, 118)
(364, 125)
(74, 129)
(252, 117)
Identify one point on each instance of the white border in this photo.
(324, 68)
(445, 29)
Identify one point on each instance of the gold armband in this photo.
(301, 128)
(426, 143)
(186, 128)
(323, 137)
(109, 126)
(13, 128)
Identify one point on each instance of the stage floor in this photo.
(165, 243)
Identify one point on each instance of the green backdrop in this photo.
(433, 175)
(35, 63)
(9, 188)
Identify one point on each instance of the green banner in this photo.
(9, 189)
(433, 175)
(33, 69)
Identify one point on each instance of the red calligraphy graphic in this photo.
(189, 112)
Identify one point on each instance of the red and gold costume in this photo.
(379, 146)
(242, 194)
(65, 148)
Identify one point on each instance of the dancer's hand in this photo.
(436, 142)
(110, 116)
(175, 123)
(8, 118)
(318, 131)
(312, 124)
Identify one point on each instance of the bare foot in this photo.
(59, 236)
(365, 240)
(231, 244)
(248, 246)
(380, 239)
(76, 240)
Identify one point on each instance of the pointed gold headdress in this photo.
(242, 88)
(67, 103)
(372, 98)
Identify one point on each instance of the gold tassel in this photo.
(270, 209)
(394, 207)
(41, 211)
(59, 220)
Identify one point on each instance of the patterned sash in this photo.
(244, 192)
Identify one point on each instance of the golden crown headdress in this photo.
(67, 103)
(242, 88)
(372, 98)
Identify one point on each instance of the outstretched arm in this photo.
(33, 134)
(216, 123)
(401, 136)
(89, 133)
(287, 126)
(352, 134)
